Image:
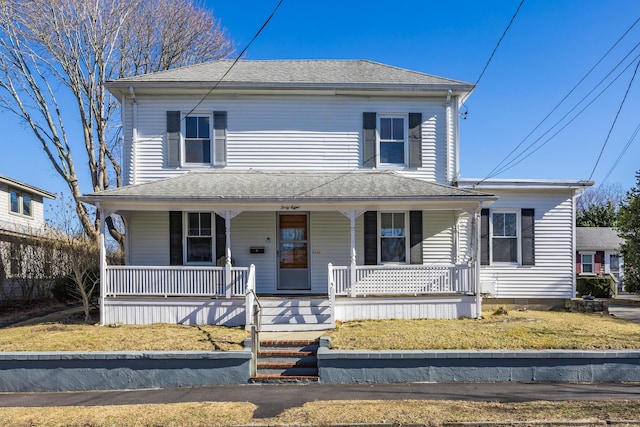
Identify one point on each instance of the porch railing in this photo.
(132, 280)
(402, 279)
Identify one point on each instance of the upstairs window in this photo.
(20, 203)
(197, 140)
(392, 133)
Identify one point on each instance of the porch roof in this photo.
(263, 187)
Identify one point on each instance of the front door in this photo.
(293, 251)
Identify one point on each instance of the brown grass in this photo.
(515, 331)
(157, 337)
(322, 413)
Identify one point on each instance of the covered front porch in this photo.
(309, 258)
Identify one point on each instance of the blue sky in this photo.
(549, 48)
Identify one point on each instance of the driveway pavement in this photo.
(626, 306)
(273, 399)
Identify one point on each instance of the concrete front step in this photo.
(293, 314)
(279, 379)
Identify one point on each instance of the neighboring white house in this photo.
(24, 260)
(598, 252)
(328, 188)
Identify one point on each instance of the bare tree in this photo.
(598, 206)
(52, 51)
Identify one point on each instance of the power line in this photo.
(504, 33)
(237, 58)
(615, 119)
(522, 156)
(489, 175)
(624, 150)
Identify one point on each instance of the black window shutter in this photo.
(369, 140)
(527, 221)
(371, 238)
(172, 150)
(221, 237)
(220, 138)
(484, 237)
(415, 140)
(415, 237)
(175, 238)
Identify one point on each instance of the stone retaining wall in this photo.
(78, 371)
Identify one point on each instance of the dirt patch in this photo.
(13, 313)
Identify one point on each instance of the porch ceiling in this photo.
(267, 187)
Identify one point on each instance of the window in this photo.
(504, 238)
(20, 203)
(614, 262)
(197, 139)
(587, 263)
(199, 238)
(393, 241)
(393, 137)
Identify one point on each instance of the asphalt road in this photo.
(273, 399)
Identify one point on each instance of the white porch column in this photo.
(103, 266)
(478, 255)
(353, 215)
(228, 215)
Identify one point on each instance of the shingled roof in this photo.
(598, 239)
(259, 186)
(362, 74)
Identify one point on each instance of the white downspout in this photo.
(478, 249)
(134, 136)
(577, 193)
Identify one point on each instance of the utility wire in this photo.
(522, 155)
(615, 119)
(237, 58)
(489, 175)
(622, 153)
(504, 33)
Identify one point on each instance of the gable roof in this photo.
(14, 183)
(293, 74)
(288, 187)
(598, 239)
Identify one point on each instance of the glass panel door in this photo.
(293, 251)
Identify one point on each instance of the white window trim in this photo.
(183, 140)
(407, 246)
(593, 263)
(185, 237)
(518, 235)
(405, 118)
(20, 212)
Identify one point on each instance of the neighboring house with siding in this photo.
(598, 252)
(329, 189)
(25, 258)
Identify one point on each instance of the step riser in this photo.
(289, 372)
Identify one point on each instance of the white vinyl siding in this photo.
(296, 132)
(29, 224)
(438, 237)
(552, 274)
(331, 243)
(256, 229)
(148, 234)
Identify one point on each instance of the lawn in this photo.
(432, 413)
(517, 330)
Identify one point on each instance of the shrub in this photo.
(65, 289)
(602, 286)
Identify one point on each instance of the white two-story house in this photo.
(328, 189)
